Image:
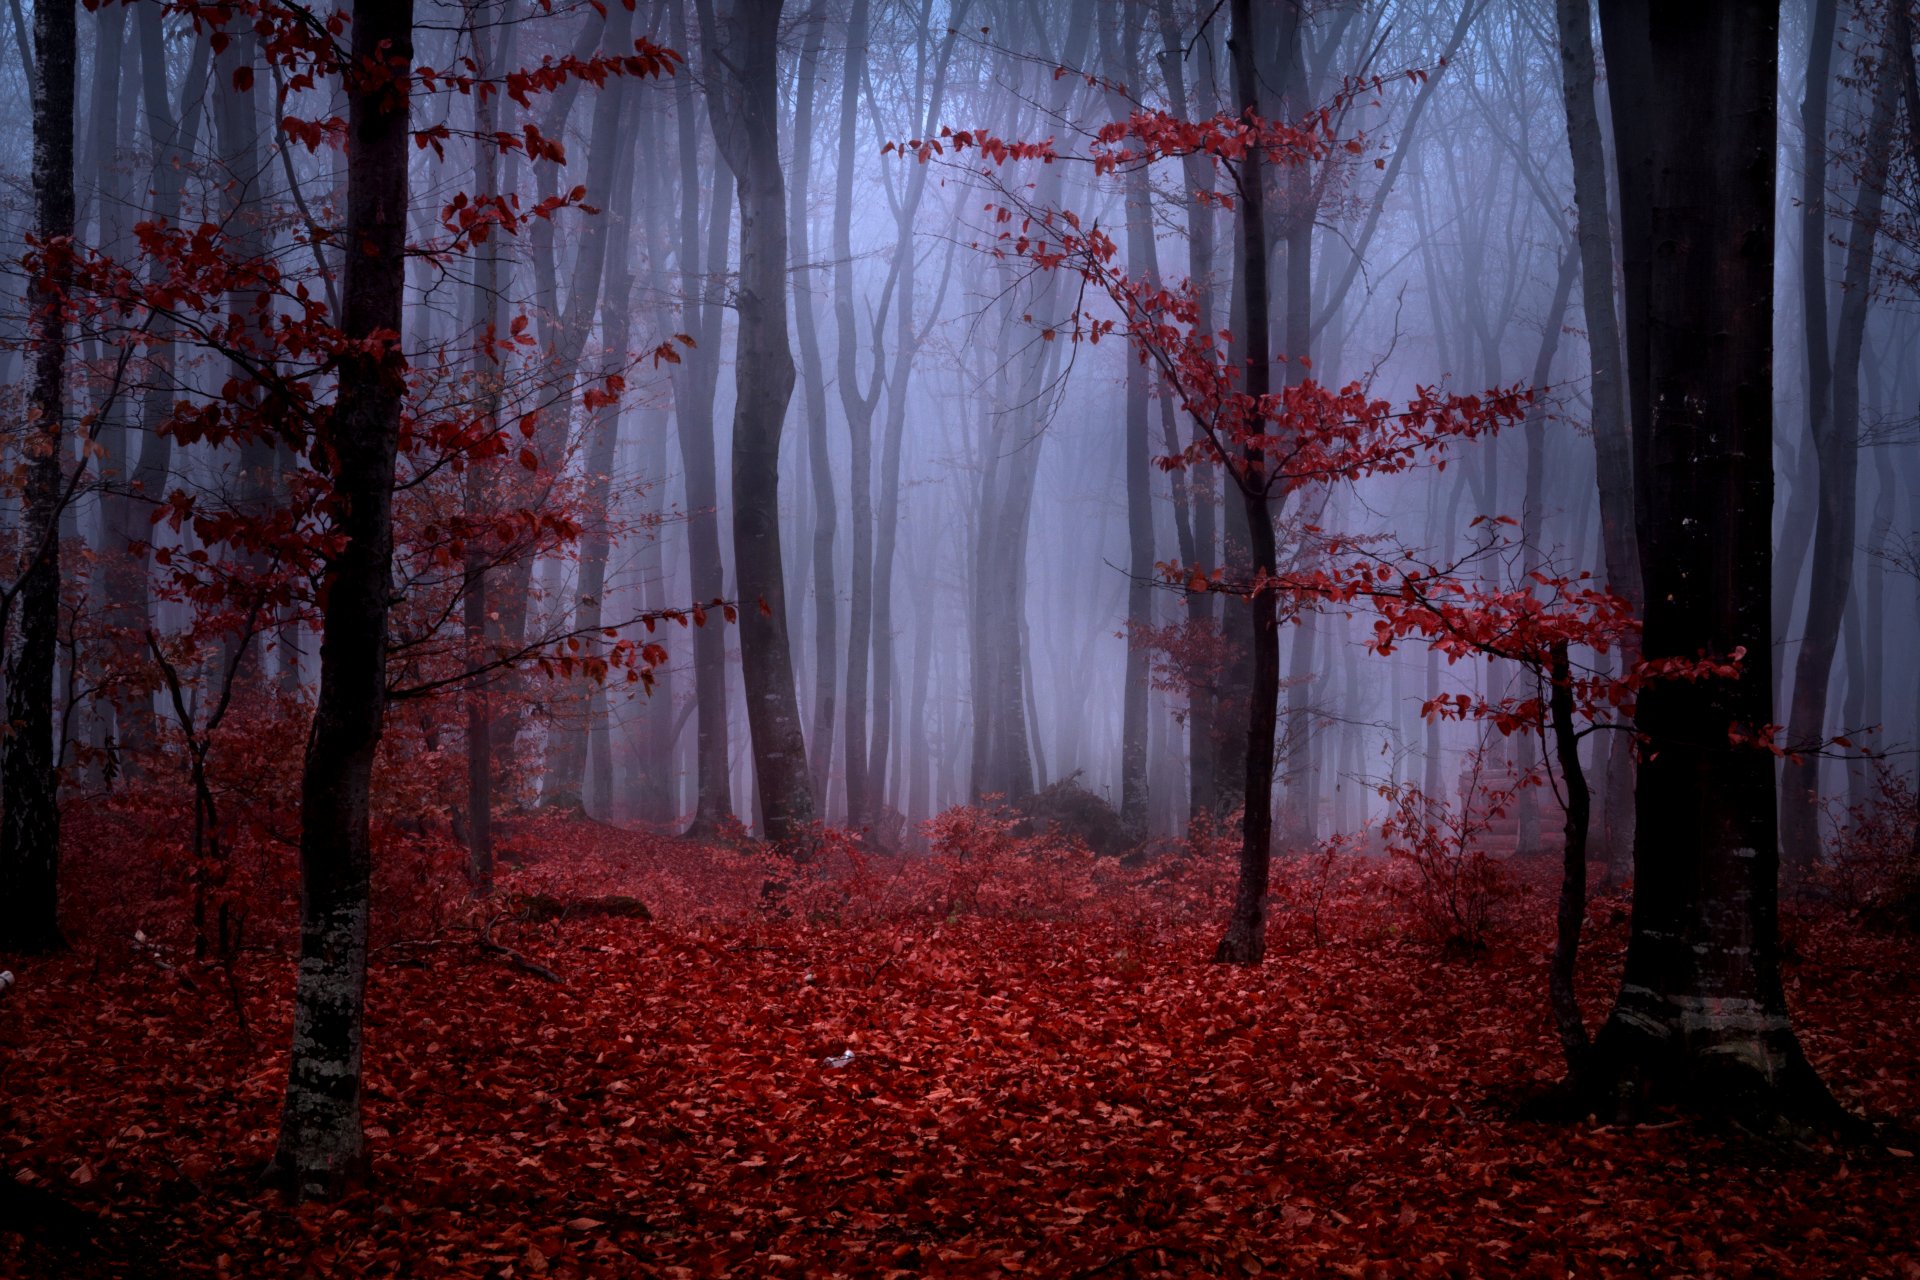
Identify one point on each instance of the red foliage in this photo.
(1024, 1089)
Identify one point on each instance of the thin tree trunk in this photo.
(1612, 431)
(743, 101)
(858, 406)
(693, 395)
(1203, 730)
(321, 1144)
(813, 384)
(1133, 693)
(1245, 940)
(478, 489)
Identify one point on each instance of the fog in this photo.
(970, 588)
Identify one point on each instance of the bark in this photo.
(813, 383)
(1629, 57)
(1701, 1017)
(1573, 865)
(1245, 941)
(1133, 731)
(858, 405)
(1527, 806)
(693, 393)
(29, 777)
(1836, 441)
(1612, 432)
(478, 490)
(743, 107)
(321, 1146)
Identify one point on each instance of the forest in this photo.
(1081, 638)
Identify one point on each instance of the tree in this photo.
(321, 1144)
(1834, 427)
(693, 390)
(29, 777)
(1701, 1018)
(1612, 443)
(743, 107)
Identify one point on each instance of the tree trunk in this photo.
(1836, 441)
(1245, 941)
(1573, 866)
(1612, 430)
(813, 384)
(1623, 35)
(1133, 730)
(29, 777)
(858, 406)
(743, 107)
(1204, 782)
(321, 1144)
(1701, 1018)
(693, 393)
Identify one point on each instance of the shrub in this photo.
(1454, 891)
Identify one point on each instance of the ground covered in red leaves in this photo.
(1025, 1072)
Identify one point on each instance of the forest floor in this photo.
(1049, 1082)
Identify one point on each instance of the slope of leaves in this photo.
(910, 1086)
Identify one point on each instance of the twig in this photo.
(514, 958)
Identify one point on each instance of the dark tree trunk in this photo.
(321, 1144)
(1245, 941)
(1701, 1018)
(1612, 431)
(1532, 517)
(743, 106)
(1835, 430)
(693, 393)
(1623, 35)
(29, 777)
(1573, 866)
(478, 489)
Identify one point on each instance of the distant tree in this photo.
(743, 107)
